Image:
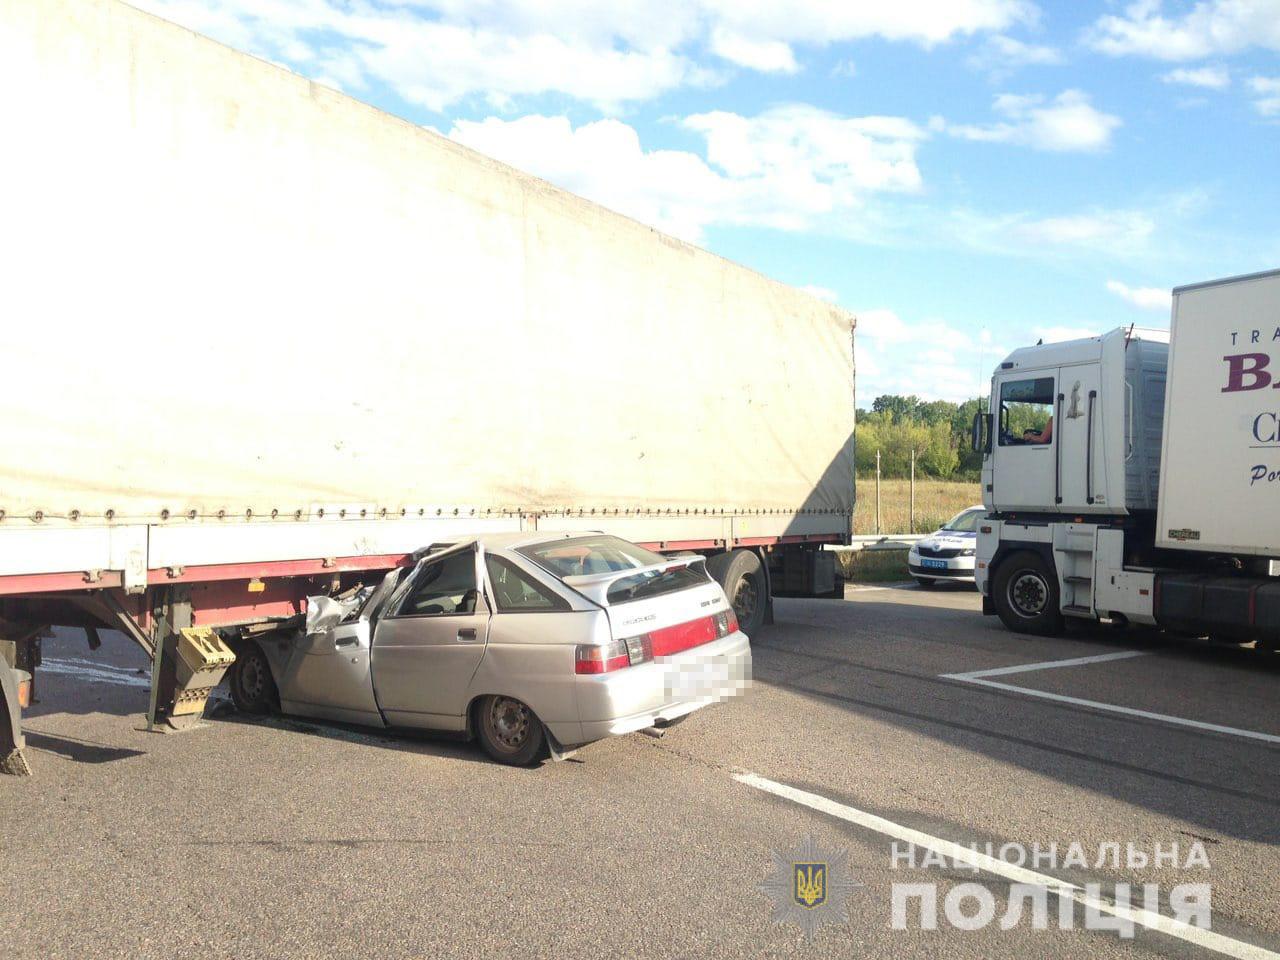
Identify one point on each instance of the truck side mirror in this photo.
(981, 435)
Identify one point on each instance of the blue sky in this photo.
(966, 175)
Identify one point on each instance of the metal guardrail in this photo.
(881, 541)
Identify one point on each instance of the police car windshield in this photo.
(965, 522)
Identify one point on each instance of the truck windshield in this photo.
(1026, 407)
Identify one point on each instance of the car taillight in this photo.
(605, 658)
(726, 623)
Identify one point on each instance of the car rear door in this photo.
(429, 641)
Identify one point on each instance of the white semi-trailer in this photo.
(262, 341)
(1136, 479)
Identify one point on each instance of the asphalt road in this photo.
(288, 838)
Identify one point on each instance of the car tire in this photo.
(926, 583)
(509, 731)
(1025, 593)
(253, 689)
(741, 574)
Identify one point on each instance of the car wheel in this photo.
(509, 731)
(1025, 594)
(741, 575)
(926, 583)
(253, 689)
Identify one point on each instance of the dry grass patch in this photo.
(937, 501)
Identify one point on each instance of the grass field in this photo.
(937, 501)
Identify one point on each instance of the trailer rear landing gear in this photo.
(12, 759)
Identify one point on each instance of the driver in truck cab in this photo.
(1043, 436)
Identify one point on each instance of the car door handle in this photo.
(347, 642)
(467, 635)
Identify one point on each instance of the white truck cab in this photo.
(1112, 498)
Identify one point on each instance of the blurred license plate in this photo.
(690, 680)
(933, 564)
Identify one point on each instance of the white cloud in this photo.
(438, 52)
(1069, 122)
(1101, 230)
(881, 325)
(927, 22)
(1127, 234)
(1209, 78)
(845, 68)
(766, 56)
(1001, 55)
(822, 293)
(1146, 298)
(786, 168)
(1208, 28)
(1267, 92)
(929, 358)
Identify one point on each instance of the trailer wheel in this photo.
(742, 576)
(509, 731)
(253, 689)
(1025, 594)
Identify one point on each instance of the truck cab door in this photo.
(1023, 451)
(429, 641)
(1082, 478)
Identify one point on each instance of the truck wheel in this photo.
(742, 576)
(1025, 594)
(253, 689)
(509, 731)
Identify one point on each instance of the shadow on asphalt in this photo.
(1169, 782)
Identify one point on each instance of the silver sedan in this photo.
(530, 642)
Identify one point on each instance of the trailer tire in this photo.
(1025, 594)
(741, 574)
(253, 689)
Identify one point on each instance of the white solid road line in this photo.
(1158, 922)
(979, 677)
(1045, 665)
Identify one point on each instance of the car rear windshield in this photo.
(584, 556)
(654, 583)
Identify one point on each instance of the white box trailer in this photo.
(1221, 454)
(262, 338)
(1151, 499)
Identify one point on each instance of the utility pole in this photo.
(912, 510)
(877, 491)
